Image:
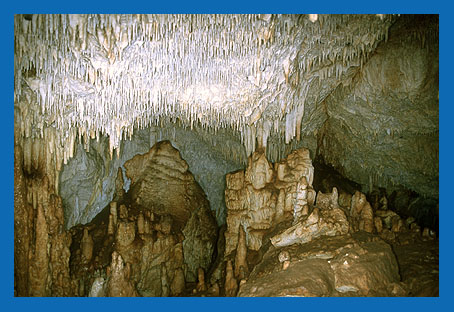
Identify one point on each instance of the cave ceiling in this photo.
(364, 88)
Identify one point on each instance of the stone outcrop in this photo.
(344, 265)
(321, 222)
(264, 195)
(162, 184)
(361, 213)
(41, 245)
(161, 233)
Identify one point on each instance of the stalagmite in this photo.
(178, 283)
(87, 245)
(231, 285)
(241, 254)
(201, 280)
(113, 212)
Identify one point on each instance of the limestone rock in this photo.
(119, 183)
(178, 283)
(235, 180)
(361, 213)
(387, 217)
(241, 254)
(118, 284)
(213, 291)
(87, 245)
(201, 286)
(320, 222)
(365, 270)
(259, 201)
(300, 199)
(259, 171)
(344, 265)
(126, 233)
(231, 284)
(97, 288)
(327, 201)
(161, 183)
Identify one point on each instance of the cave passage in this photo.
(226, 155)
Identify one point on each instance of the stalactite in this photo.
(81, 59)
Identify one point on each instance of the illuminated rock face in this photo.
(162, 183)
(155, 239)
(337, 266)
(41, 246)
(264, 195)
(88, 182)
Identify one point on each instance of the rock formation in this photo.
(41, 246)
(182, 200)
(162, 229)
(326, 222)
(260, 197)
(92, 217)
(201, 286)
(342, 265)
(86, 245)
(231, 284)
(240, 256)
(361, 213)
(118, 282)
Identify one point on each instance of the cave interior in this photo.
(210, 155)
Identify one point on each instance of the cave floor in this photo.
(418, 264)
(306, 276)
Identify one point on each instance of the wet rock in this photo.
(97, 288)
(256, 201)
(321, 222)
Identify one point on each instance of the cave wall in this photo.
(88, 180)
(382, 130)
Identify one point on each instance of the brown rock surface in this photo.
(258, 198)
(41, 246)
(344, 265)
(162, 184)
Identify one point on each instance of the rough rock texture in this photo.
(154, 240)
(88, 181)
(261, 196)
(41, 245)
(118, 283)
(343, 265)
(321, 222)
(161, 183)
(361, 213)
(387, 119)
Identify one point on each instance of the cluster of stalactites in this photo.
(108, 74)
